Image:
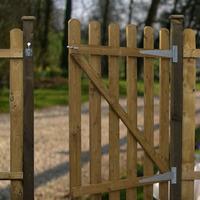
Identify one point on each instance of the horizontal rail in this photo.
(106, 50)
(188, 176)
(107, 186)
(124, 51)
(11, 53)
(122, 184)
(11, 175)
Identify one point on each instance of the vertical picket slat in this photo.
(148, 107)
(16, 114)
(95, 112)
(74, 108)
(164, 106)
(188, 137)
(113, 66)
(131, 70)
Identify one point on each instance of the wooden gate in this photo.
(21, 172)
(175, 156)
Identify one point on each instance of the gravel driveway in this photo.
(51, 148)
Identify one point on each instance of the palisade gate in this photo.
(174, 158)
(177, 55)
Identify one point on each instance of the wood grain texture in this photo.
(188, 138)
(108, 186)
(113, 71)
(16, 114)
(95, 111)
(11, 53)
(28, 113)
(11, 176)
(156, 157)
(74, 108)
(176, 106)
(164, 107)
(131, 74)
(148, 107)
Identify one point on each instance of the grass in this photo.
(46, 97)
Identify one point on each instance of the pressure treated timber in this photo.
(131, 75)
(121, 184)
(189, 97)
(164, 70)
(16, 114)
(28, 111)
(95, 112)
(74, 108)
(113, 77)
(158, 159)
(11, 53)
(148, 108)
(125, 51)
(11, 175)
(176, 106)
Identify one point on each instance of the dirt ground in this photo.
(52, 150)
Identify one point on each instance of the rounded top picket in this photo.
(28, 18)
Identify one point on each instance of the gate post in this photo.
(28, 113)
(176, 111)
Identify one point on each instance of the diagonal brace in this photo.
(157, 158)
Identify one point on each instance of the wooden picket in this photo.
(95, 111)
(74, 108)
(16, 114)
(164, 106)
(188, 137)
(113, 71)
(148, 107)
(131, 70)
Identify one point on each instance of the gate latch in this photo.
(168, 176)
(171, 53)
(28, 50)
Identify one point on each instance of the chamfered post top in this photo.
(28, 18)
(179, 17)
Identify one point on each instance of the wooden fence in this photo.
(176, 119)
(21, 172)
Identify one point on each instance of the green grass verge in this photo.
(46, 97)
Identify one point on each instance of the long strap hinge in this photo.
(168, 176)
(171, 53)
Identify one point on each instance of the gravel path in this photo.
(51, 148)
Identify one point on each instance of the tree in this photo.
(130, 15)
(45, 28)
(64, 55)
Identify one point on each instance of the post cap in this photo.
(28, 18)
(176, 17)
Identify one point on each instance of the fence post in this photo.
(16, 114)
(28, 114)
(176, 38)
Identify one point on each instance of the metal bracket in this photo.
(171, 53)
(28, 50)
(168, 176)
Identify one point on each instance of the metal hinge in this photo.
(168, 176)
(171, 53)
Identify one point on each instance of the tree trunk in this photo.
(148, 22)
(105, 10)
(64, 55)
(130, 11)
(44, 39)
